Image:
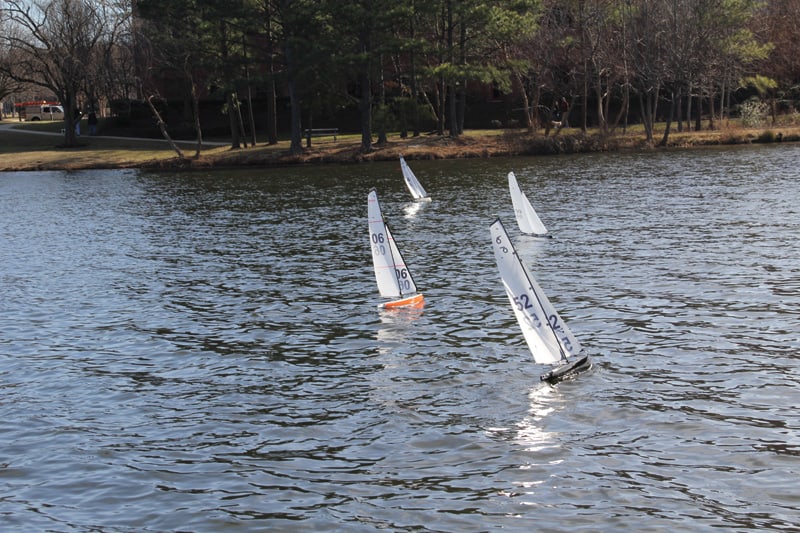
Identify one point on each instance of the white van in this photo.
(41, 112)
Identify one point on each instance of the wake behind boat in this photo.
(549, 339)
(413, 184)
(393, 276)
(527, 219)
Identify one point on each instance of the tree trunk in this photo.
(585, 125)
(415, 121)
(698, 122)
(365, 105)
(462, 88)
(462, 106)
(647, 118)
(711, 110)
(251, 117)
(451, 110)
(606, 105)
(383, 115)
(773, 106)
(162, 126)
(70, 139)
(689, 100)
(623, 112)
(235, 139)
(239, 120)
(295, 119)
(272, 113)
(451, 88)
(665, 138)
(196, 112)
(602, 124)
(441, 100)
(528, 110)
(627, 105)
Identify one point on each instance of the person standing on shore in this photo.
(77, 117)
(563, 107)
(92, 121)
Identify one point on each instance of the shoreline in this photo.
(474, 145)
(109, 152)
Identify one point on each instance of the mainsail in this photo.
(549, 339)
(414, 187)
(527, 219)
(393, 277)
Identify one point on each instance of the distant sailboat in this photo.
(549, 339)
(527, 219)
(393, 277)
(414, 187)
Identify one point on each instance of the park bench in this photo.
(320, 132)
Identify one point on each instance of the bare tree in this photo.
(53, 42)
(783, 63)
(8, 85)
(172, 41)
(648, 31)
(518, 50)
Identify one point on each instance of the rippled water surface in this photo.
(204, 352)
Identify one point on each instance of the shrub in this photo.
(753, 113)
(767, 136)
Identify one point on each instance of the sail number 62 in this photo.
(523, 303)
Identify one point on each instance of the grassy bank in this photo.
(21, 149)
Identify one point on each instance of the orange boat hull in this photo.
(416, 301)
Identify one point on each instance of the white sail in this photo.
(548, 337)
(393, 277)
(417, 191)
(527, 219)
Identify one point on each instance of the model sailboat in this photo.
(393, 276)
(527, 219)
(549, 339)
(414, 187)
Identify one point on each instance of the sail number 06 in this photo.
(377, 244)
(403, 280)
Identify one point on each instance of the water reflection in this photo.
(411, 209)
(396, 325)
(544, 401)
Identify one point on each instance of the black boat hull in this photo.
(568, 370)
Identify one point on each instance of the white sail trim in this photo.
(548, 337)
(414, 187)
(527, 219)
(393, 277)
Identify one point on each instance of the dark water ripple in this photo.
(205, 353)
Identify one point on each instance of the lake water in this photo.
(204, 352)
